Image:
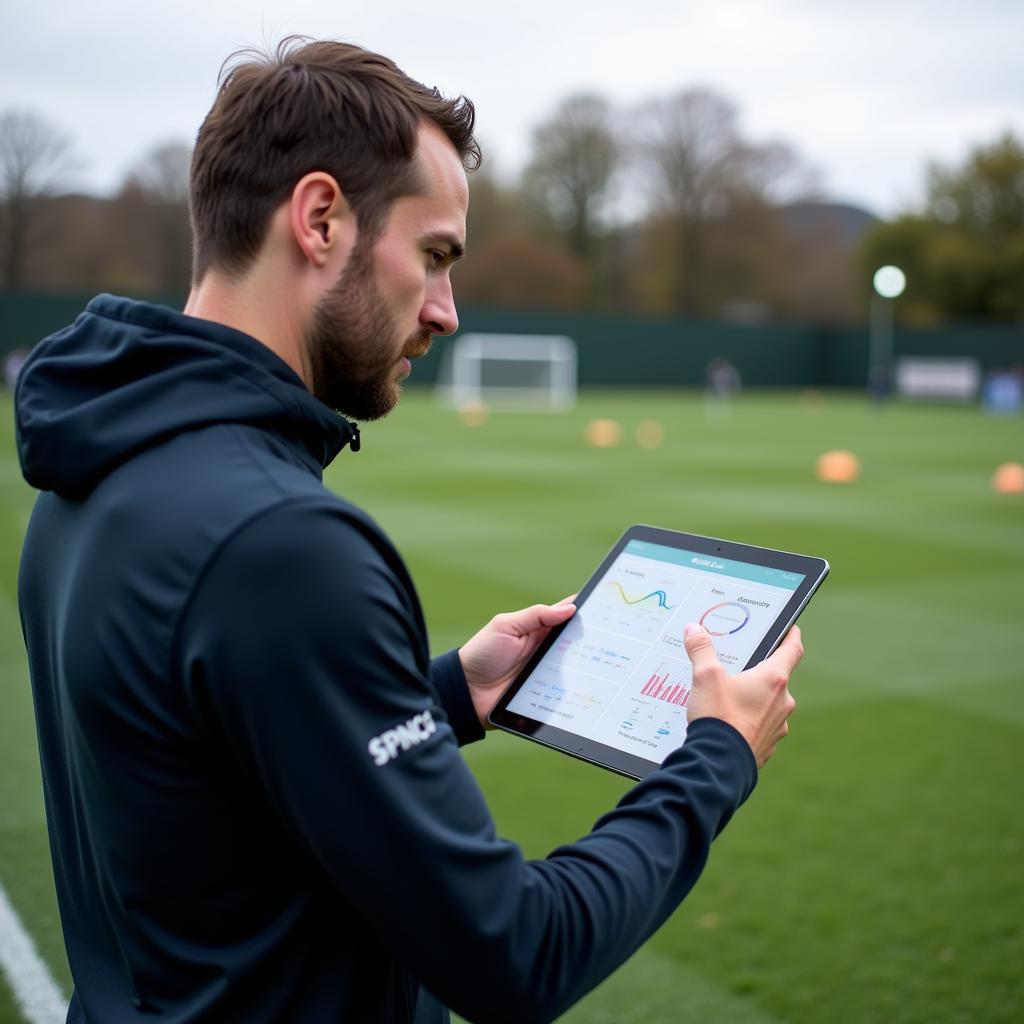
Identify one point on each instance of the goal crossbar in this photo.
(496, 368)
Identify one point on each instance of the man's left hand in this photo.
(492, 658)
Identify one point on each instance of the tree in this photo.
(163, 173)
(963, 249)
(494, 209)
(575, 155)
(520, 272)
(161, 181)
(34, 157)
(712, 189)
(985, 197)
(692, 148)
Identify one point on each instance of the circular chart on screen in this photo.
(725, 619)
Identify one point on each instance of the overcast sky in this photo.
(866, 92)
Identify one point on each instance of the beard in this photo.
(354, 343)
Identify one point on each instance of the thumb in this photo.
(790, 651)
(552, 615)
(700, 647)
(538, 616)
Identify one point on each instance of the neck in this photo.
(257, 305)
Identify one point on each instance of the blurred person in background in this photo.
(13, 362)
(722, 383)
(256, 802)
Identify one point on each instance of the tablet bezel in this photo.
(813, 569)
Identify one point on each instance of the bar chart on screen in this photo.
(649, 712)
(664, 684)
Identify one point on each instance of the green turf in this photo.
(876, 873)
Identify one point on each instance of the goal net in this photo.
(515, 370)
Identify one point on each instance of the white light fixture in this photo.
(889, 282)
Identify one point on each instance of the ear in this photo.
(321, 220)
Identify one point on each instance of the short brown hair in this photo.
(309, 106)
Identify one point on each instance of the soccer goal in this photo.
(514, 370)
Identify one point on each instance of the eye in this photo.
(437, 257)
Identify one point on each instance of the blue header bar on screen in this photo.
(720, 566)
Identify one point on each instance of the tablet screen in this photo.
(618, 673)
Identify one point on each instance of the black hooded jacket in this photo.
(257, 807)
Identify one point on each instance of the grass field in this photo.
(877, 872)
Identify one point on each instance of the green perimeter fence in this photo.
(638, 352)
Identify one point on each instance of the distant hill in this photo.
(845, 223)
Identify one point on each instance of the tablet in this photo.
(610, 686)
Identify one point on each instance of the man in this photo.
(257, 807)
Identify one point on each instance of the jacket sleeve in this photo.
(316, 666)
(450, 682)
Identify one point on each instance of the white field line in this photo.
(37, 994)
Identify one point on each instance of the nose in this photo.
(438, 314)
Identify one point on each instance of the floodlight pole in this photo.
(880, 348)
(888, 282)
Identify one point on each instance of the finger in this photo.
(700, 647)
(567, 600)
(788, 654)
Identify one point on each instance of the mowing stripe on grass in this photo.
(37, 994)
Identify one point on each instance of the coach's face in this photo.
(394, 296)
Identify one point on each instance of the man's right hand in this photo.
(757, 703)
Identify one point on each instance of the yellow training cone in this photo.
(603, 433)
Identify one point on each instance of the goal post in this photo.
(536, 371)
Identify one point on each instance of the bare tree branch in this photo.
(34, 156)
(701, 174)
(34, 159)
(162, 174)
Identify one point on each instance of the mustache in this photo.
(419, 345)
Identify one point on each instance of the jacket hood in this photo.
(127, 375)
